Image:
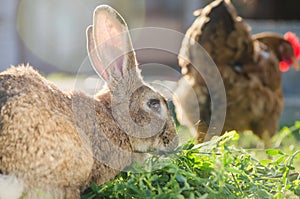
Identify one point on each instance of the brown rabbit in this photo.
(57, 143)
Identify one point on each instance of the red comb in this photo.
(283, 66)
(294, 40)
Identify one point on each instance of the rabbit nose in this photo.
(170, 144)
(173, 144)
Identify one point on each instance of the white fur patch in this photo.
(10, 187)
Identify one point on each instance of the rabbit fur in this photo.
(57, 143)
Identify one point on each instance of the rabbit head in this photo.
(138, 109)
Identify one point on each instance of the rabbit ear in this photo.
(109, 45)
(92, 52)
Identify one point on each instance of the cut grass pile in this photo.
(215, 169)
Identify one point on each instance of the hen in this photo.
(248, 65)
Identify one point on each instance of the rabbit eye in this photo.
(154, 104)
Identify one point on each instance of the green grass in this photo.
(221, 168)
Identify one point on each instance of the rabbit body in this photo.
(39, 141)
(38, 138)
(57, 143)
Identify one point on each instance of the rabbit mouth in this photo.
(163, 142)
(167, 142)
(169, 138)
